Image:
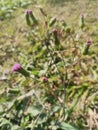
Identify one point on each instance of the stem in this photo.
(52, 56)
(63, 79)
(73, 40)
(34, 123)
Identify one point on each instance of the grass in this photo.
(82, 95)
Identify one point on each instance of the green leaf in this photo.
(5, 124)
(14, 91)
(54, 109)
(15, 127)
(35, 72)
(34, 110)
(66, 126)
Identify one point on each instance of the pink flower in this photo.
(86, 47)
(28, 11)
(16, 67)
(88, 43)
(45, 79)
(55, 31)
(81, 15)
(55, 34)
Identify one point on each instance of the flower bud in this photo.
(81, 21)
(28, 12)
(52, 21)
(68, 30)
(55, 31)
(64, 24)
(88, 43)
(55, 34)
(34, 20)
(45, 79)
(86, 48)
(18, 68)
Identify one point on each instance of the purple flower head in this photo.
(62, 20)
(82, 15)
(88, 43)
(28, 11)
(45, 79)
(55, 31)
(16, 67)
(86, 47)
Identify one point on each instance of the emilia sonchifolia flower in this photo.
(55, 34)
(87, 46)
(88, 43)
(18, 68)
(30, 18)
(81, 21)
(28, 12)
(55, 31)
(45, 79)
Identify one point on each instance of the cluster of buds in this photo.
(20, 69)
(30, 17)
